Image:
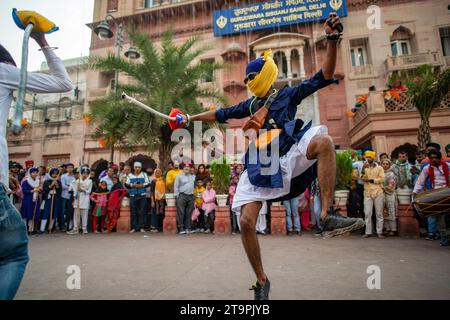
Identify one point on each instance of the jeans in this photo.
(185, 207)
(291, 206)
(13, 247)
(67, 213)
(138, 206)
(210, 220)
(436, 224)
(317, 209)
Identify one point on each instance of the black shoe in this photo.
(445, 242)
(336, 224)
(432, 236)
(261, 292)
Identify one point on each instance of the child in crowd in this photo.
(198, 203)
(209, 206)
(231, 192)
(118, 192)
(81, 188)
(31, 204)
(100, 197)
(52, 194)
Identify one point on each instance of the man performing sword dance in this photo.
(305, 152)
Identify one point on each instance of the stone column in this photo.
(288, 61)
(277, 219)
(222, 222)
(407, 224)
(301, 57)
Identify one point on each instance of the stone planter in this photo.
(170, 199)
(340, 197)
(222, 222)
(123, 223)
(407, 225)
(170, 218)
(277, 219)
(125, 202)
(222, 199)
(404, 196)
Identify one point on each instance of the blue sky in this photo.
(73, 37)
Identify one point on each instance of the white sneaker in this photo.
(142, 230)
(132, 231)
(183, 232)
(208, 231)
(202, 230)
(72, 232)
(85, 232)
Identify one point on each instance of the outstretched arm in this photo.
(57, 81)
(330, 60)
(205, 116)
(221, 115)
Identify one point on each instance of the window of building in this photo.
(400, 47)
(358, 56)
(112, 5)
(150, 3)
(445, 40)
(401, 41)
(359, 52)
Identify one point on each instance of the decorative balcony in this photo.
(378, 103)
(411, 61)
(361, 72)
(384, 119)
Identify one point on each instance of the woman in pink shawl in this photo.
(209, 206)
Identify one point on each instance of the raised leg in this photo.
(322, 148)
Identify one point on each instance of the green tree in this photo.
(165, 77)
(426, 90)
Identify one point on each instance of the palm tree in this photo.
(426, 91)
(164, 78)
(108, 115)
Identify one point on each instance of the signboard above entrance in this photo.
(274, 14)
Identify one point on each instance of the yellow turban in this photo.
(369, 154)
(262, 83)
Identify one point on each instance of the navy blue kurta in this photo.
(282, 111)
(57, 201)
(28, 206)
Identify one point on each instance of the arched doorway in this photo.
(147, 162)
(99, 166)
(411, 149)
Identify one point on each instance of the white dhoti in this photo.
(292, 164)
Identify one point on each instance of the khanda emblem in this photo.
(336, 4)
(221, 22)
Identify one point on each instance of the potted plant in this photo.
(220, 173)
(344, 169)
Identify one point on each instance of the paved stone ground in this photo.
(200, 266)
